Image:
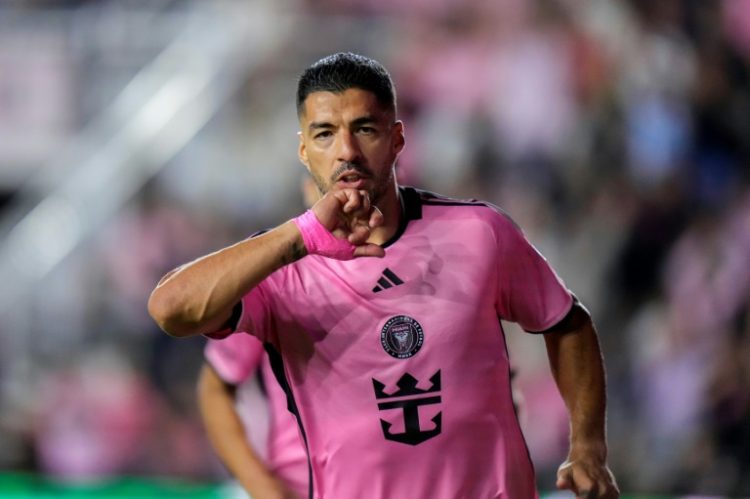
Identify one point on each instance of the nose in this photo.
(348, 150)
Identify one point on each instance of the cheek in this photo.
(382, 154)
(319, 182)
(317, 155)
(317, 166)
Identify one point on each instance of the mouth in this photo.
(351, 179)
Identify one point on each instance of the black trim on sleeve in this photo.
(234, 319)
(573, 320)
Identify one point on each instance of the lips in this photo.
(351, 179)
(358, 184)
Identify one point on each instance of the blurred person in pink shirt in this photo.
(231, 418)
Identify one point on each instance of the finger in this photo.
(601, 488)
(353, 202)
(341, 196)
(376, 218)
(583, 486)
(564, 479)
(609, 489)
(369, 249)
(612, 492)
(365, 201)
(339, 233)
(359, 235)
(564, 483)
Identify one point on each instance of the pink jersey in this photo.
(397, 367)
(236, 360)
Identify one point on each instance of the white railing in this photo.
(152, 119)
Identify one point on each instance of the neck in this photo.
(390, 206)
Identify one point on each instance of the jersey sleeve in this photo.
(251, 315)
(252, 304)
(234, 358)
(529, 291)
(256, 315)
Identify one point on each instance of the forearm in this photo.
(577, 366)
(198, 297)
(227, 435)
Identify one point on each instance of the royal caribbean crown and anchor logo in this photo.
(402, 337)
(409, 398)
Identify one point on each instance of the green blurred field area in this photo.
(27, 486)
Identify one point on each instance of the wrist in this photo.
(588, 448)
(294, 244)
(318, 240)
(265, 486)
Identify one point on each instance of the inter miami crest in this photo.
(401, 337)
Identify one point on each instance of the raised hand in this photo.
(343, 221)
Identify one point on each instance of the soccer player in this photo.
(380, 308)
(278, 469)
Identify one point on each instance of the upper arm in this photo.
(576, 319)
(529, 291)
(572, 344)
(577, 324)
(211, 384)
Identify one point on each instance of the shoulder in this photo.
(462, 208)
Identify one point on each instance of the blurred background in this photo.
(136, 135)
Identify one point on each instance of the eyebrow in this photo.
(362, 120)
(315, 125)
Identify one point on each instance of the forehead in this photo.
(348, 105)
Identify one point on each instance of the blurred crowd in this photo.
(617, 134)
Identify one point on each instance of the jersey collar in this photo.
(411, 209)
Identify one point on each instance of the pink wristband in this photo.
(319, 240)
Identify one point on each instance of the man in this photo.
(278, 467)
(380, 308)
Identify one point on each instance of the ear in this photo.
(399, 139)
(302, 152)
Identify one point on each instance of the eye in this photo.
(367, 130)
(323, 134)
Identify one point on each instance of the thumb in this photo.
(564, 480)
(369, 249)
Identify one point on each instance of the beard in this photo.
(376, 192)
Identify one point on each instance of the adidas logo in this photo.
(387, 280)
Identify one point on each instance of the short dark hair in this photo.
(342, 71)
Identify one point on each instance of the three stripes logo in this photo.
(387, 280)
